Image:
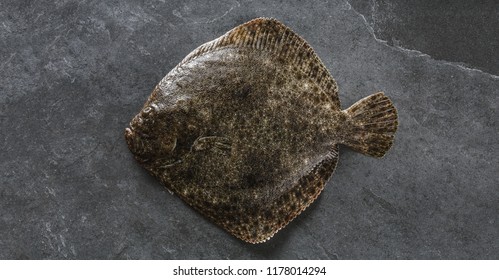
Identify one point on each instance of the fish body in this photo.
(246, 129)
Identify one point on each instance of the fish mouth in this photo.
(129, 135)
(132, 140)
(135, 142)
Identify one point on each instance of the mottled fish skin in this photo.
(246, 129)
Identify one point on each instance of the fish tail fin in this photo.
(373, 124)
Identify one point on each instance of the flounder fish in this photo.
(246, 128)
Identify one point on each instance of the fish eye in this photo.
(150, 109)
(147, 110)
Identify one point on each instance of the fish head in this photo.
(149, 136)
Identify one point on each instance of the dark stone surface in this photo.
(75, 72)
(459, 31)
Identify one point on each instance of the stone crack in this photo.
(414, 53)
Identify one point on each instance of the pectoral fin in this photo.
(217, 143)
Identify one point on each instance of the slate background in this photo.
(73, 74)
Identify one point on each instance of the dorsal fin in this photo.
(270, 35)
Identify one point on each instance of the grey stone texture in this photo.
(74, 73)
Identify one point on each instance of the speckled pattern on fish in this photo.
(246, 129)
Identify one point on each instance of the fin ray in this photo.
(271, 35)
(374, 122)
(269, 220)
